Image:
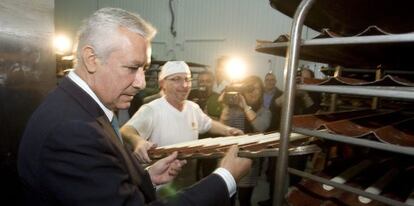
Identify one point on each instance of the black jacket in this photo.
(70, 155)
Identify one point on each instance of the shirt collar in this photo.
(82, 84)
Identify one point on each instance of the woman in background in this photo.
(245, 110)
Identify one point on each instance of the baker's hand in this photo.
(141, 149)
(166, 169)
(237, 166)
(231, 131)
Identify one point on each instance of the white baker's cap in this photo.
(173, 67)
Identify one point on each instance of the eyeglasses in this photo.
(180, 80)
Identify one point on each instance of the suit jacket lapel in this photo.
(138, 175)
(115, 141)
(146, 184)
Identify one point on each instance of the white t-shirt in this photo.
(161, 123)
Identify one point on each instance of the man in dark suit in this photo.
(70, 154)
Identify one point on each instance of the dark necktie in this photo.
(115, 125)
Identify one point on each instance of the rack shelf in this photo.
(356, 141)
(346, 18)
(346, 188)
(378, 91)
(390, 51)
(349, 17)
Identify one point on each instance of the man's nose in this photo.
(186, 83)
(139, 80)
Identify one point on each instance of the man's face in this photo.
(270, 82)
(206, 80)
(121, 76)
(177, 87)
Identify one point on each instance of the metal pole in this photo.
(289, 95)
(334, 97)
(375, 100)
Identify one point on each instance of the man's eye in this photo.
(132, 67)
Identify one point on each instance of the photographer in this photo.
(243, 109)
(204, 95)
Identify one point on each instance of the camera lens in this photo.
(231, 98)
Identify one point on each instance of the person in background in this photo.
(71, 152)
(221, 79)
(204, 95)
(247, 112)
(305, 103)
(270, 94)
(270, 89)
(207, 99)
(171, 119)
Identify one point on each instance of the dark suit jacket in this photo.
(70, 155)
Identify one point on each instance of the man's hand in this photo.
(140, 145)
(222, 129)
(231, 131)
(237, 166)
(279, 100)
(164, 170)
(141, 149)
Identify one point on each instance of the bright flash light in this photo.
(62, 44)
(235, 69)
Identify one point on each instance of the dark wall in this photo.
(27, 73)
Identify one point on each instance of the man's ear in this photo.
(90, 59)
(161, 84)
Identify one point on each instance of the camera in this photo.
(233, 92)
(231, 98)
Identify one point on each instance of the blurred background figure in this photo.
(204, 95)
(305, 103)
(270, 89)
(207, 99)
(221, 78)
(243, 109)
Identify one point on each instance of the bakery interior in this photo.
(354, 148)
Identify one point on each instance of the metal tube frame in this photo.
(292, 58)
(357, 141)
(378, 91)
(347, 188)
